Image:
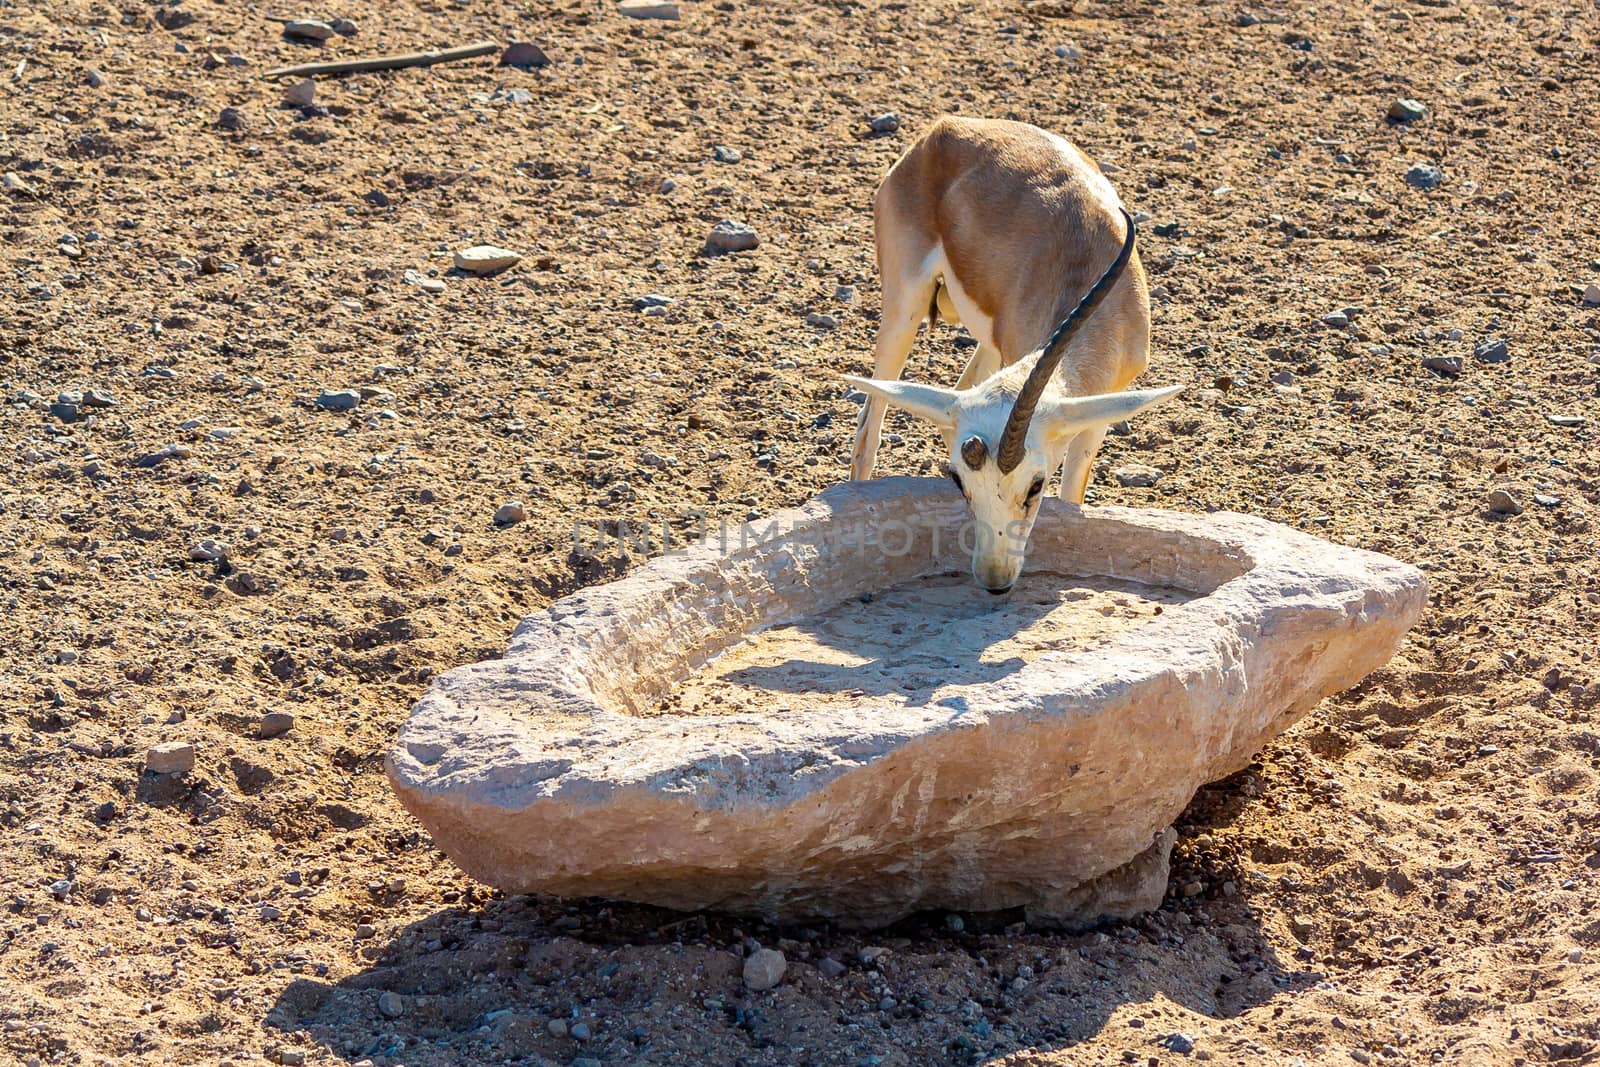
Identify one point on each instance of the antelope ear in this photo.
(1069, 415)
(926, 401)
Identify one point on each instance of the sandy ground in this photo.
(927, 641)
(1411, 875)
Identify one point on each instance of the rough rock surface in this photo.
(545, 771)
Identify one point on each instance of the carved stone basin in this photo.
(823, 716)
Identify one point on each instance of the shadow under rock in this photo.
(511, 980)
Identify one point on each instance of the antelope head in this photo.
(1008, 435)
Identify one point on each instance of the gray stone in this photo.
(94, 79)
(230, 118)
(1405, 109)
(1503, 502)
(308, 30)
(730, 236)
(830, 968)
(652, 300)
(510, 512)
(516, 95)
(1136, 475)
(1493, 350)
(764, 969)
(817, 318)
(886, 123)
(302, 93)
(1567, 422)
(345, 27)
(1336, 319)
(208, 551)
(723, 154)
(276, 724)
(1591, 294)
(872, 807)
(170, 757)
(524, 54)
(97, 398)
(392, 1005)
(338, 399)
(1424, 176)
(1180, 1043)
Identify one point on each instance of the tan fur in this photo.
(1022, 224)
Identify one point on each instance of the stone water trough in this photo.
(823, 716)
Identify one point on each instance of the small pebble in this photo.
(308, 30)
(1569, 422)
(1591, 294)
(1407, 110)
(1180, 1043)
(276, 724)
(764, 969)
(652, 300)
(485, 259)
(392, 1005)
(523, 54)
(886, 123)
(94, 79)
(170, 757)
(580, 1031)
(302, 93)
(648, 9)
(1502, 502)
(1449, 366)
(509, 513)
(230, 118)
(556, 1027)
(1136, 476)
(1336, 319)
(1494, 350)
(830, 968)
(827, 322)
(291, 1057)
(730, 236)
(208, 551)
(1424, 176)
(723, 154)
(338, 399)
(345, 27)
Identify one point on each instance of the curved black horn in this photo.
(1014, 440)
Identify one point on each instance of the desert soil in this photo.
(1410, 875)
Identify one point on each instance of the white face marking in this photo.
(1005, 505)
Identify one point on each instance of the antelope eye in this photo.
(1034, 490)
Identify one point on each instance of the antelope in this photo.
(1013, 232)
